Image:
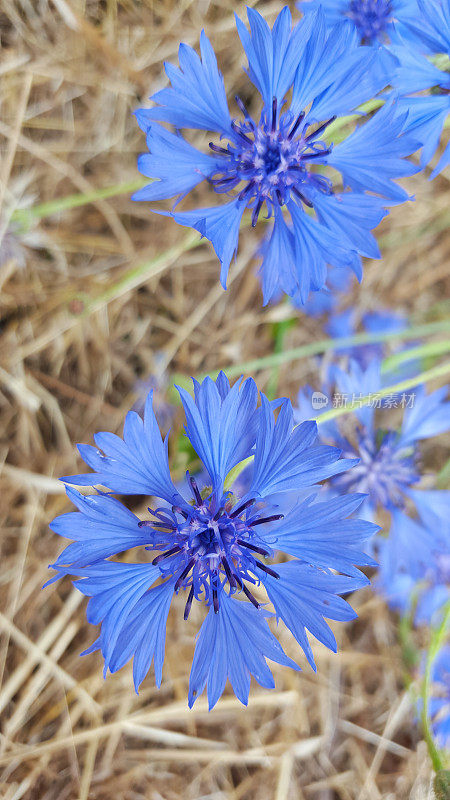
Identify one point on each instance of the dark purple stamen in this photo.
(256, 211)
(218, 513)
(302, 197)
(178, 510)
(297, 122)
(220, 150)
(253, 547)
(240, 133)
(321, 154)
(242, 107)
(250, 596)
(181, 577)
(274, 114)
(147, 524)
(229, 574)
(167, 554)
(215, 601)
(267, 569)
(195, 490)
(246, 591)
(319, 130)
(264, 519)
(246, 190)
(237, 511)
(188, 605)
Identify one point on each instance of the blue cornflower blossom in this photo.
(326, 300)
(413, 559)
(344, 324)
(439, 704)
(427, 113)
(213, 547)
(276, 163)
(375, 21)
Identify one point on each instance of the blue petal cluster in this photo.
(439, 705)
(414, 562)
(275, 162)
(214, 547)
(415, 73)
(375, 21)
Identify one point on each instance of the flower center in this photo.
(209, 545)
(271, 162)
(371, 17)
(385, 470)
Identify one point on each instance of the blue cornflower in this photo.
(344, 324)
(374, 21)
(412, 559)
(275, 163)
(414, 572)
(439, 704)
(427, 113)
(213, 547)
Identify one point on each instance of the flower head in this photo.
(343, 324)
(374, 20)
(414, 565)
(415, 73)
(277, 163)
(213, 548)
(439, 705)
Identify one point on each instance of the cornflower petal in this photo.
(239, 630)
(136, 464)
(302, 596)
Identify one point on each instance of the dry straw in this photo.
(83, 315)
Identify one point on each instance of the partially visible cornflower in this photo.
(439, 704)
(389, 474)
(414, 572)
(427, 113)
(275, 164)
(325, 301)
(374, 21)
(345, 323)
(216, 547)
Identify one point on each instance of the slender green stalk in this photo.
(436, 643)
(421, 351)
(24, 216)
(322, 346)
(436, 372)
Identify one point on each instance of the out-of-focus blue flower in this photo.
(325, 300)
(345, 324)
(374, 21)
(213, 547)
(414, 573)
(439, 704)
(276, 165)
(427, 113)
(414, 564)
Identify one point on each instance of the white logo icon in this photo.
(319, 400)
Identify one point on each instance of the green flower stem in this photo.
(436, 643)
(422, 351)
(24, 216)
(437, 372)
(324, 345)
